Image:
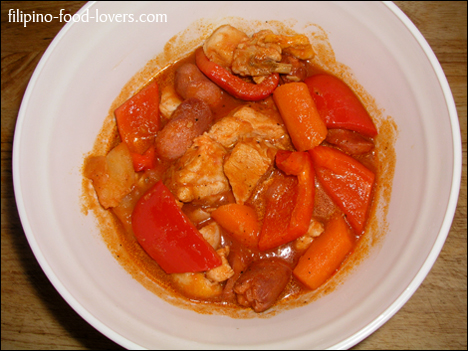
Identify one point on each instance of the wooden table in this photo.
(35, 316)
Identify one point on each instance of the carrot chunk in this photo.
(240, 221)
(299, 113)
(325, 255)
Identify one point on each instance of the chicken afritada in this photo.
(243, 173)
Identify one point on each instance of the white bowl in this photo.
(83, 71)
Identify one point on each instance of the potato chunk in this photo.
(113, 175)
(196, 285)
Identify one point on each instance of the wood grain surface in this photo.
(35, 316)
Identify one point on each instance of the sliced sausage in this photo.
(191, 119)
(191, 82)
(239, 259)
(261, 285)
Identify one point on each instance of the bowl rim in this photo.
(348, 342)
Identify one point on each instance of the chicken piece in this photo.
(261, 54)
(261, 285)
(248, 162)
(246, 123)
(315, 229)
(296, 45)
(254, 57)
(195, 214)
(170, 100)
(229, 129)
(199, 174)
(265, 127)
(196, 285)
(223, 272)
(212, 234)
(220, 46)
(113, 175)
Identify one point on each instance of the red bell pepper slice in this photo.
(300, 165)
(168, 236)
(280, 203)
(347, 181)
(233, 84)
(138, 119)
(145, 161)
(338, 106)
